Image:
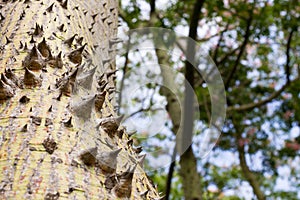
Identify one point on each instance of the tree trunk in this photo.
(59, 136)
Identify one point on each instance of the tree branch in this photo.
(274, 95)
(288, 46)
(226, 56)
(251, 106)
(244, 44)
(249, 175)
(188, 164)
(170, 175)
(124, 72)
(219, 43)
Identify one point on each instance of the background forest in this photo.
(255, 46)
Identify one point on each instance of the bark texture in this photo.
(59, 136)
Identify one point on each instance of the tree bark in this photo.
(59, 136)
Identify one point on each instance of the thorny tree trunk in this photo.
(58, 135)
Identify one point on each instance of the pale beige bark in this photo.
(55, 58)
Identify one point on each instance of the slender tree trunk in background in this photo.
(56, 114)
(191, 179)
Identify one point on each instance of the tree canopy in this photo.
(255, 46)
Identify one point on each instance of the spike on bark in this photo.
(76, 55)
(24, 128)
(50, 8)
(6, 91)
(85, 107)
(7, 40)
(61, 27)
(68, 123)
(124, 184)
(32, 40)
(7, 81)
(25, 46)
(10, 75)
(144, 194)
(34, 60)
(21, 45)
(44, 49)
(1, 17)
(67, 87)
(56, 62)
(38, 31)
(138, 150)
(100, 98)
(120, 133)
(103, 86)
(105, 17)
(22, 15)
(70, 40)
(108, 74)
(86, 80)
(88, 156)
(131, 133)
(94, 16)
(59, 96)
(65, 4)
(141, 160)
(130, 142)
(74, 74)
(112, 90)
(34, 53)
(79, 40)
(107, 161)
(30, 79)
(110, 125)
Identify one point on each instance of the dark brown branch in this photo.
(249, 175)
(188, 164)
(170, 175)
(287, 65)
(142, 110)
(244, 44)
(251, 106)
(219, 43)
(152, 6)
(226, 56)
(186, 140)
(124, 72)
(195, 19)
